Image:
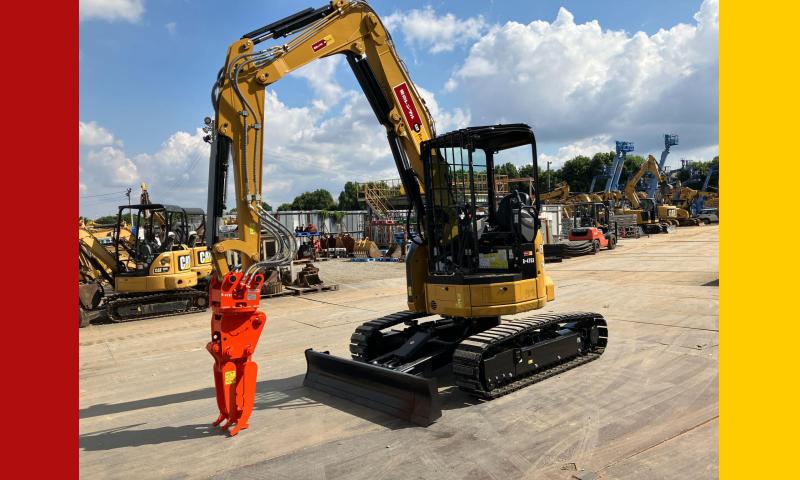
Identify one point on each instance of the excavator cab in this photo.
(194, 238)
(473, 236)
(153, 258)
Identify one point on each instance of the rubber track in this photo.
(359, 341)
(122, 300)
(468, 357)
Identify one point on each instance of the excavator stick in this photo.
(236, 325)
(410, 397)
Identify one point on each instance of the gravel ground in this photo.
(344, 271)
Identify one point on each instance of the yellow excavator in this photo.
(558, 194)
(140, 273)
(648, 215)
(189, 225)
(474, 259)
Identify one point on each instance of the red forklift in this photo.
(591, 222)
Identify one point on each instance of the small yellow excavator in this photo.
(648, 215)
(139, 273)
(474, 258)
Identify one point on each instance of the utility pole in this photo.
(128, 194)
(548, 175)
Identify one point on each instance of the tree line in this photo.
(577, 172)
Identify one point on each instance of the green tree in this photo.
(632, 164)
(507, 168)
(554, 176)
(106, 219)
(600, 161)
(348, 198)
(577, 172)
(320, 199)
(284, 207)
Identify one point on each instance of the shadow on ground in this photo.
(125, 437)
(282, 394)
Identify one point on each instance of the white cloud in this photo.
(577, 81)
(179, 169)
(172, 28)
(424, 29)
(92, 134)
(176, 172)
(585, 146)
(445, 121)
(111, 10)
(110, 167)
(305, 148)
(321, 77)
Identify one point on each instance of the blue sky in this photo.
(586, 74)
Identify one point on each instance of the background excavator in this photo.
(475, 259)
(142, 272)
(648, 215)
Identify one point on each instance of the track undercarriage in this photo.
(126, 307)
(129, 307)
(393, 370)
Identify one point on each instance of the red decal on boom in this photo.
(407, 104)
(319, 45)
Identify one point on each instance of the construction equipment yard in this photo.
(648, 408)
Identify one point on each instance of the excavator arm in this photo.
(349, 28)
(630, 188)
(559, 193)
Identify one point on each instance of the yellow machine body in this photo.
(483, 299)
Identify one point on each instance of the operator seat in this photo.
(168, 242)
(505, 214)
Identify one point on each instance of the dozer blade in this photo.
(405, 396)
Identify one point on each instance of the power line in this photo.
(103, 194)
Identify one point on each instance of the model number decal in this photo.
(184, 262)
(407, 104)
(204, 256)
(320, 44)
(528, 260)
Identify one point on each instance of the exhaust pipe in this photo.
(402, 395)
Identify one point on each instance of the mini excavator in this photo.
(476, 257)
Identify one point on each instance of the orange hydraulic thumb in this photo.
(236, 325)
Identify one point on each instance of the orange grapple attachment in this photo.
(236, 325)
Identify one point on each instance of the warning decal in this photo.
(320, 44)
(230, 377)
(407, 104)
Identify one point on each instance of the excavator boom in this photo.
(650, 166)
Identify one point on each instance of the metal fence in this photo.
(326, 222)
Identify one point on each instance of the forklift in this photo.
(591, 222)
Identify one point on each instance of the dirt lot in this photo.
(648, 408)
